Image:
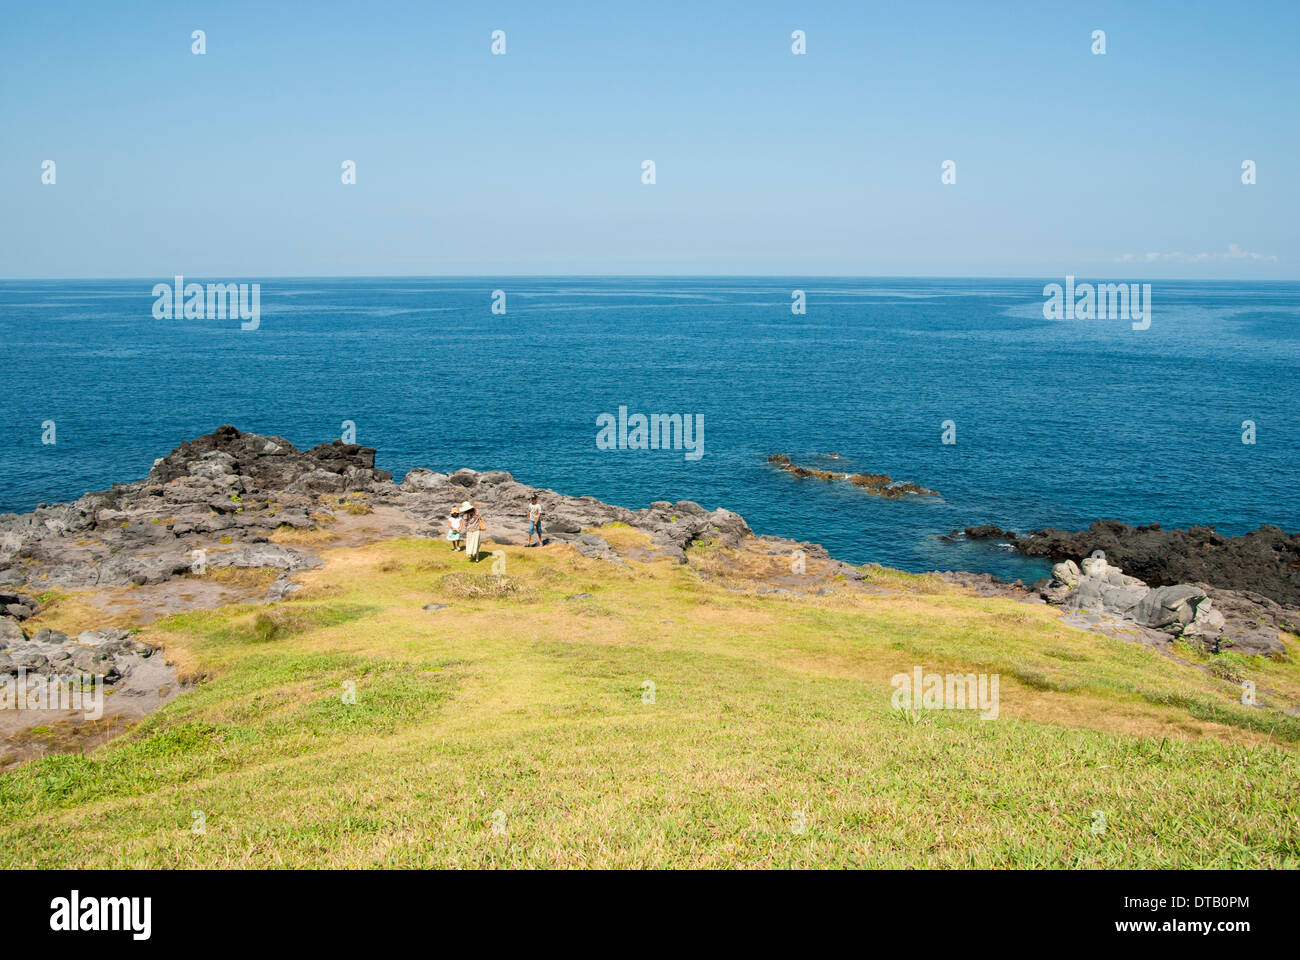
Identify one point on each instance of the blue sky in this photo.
(228, 164)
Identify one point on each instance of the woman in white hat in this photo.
(472, 526)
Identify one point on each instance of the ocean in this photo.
(1055, 422)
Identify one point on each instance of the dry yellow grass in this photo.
(239, 576)
(298, 536)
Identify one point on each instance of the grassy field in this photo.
(664, 721)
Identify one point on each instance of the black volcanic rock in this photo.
(217, 491)
(1264, 561)
(213, 501)
(880, 484)
(986, 531)
(229, 458)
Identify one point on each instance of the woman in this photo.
(472, 526)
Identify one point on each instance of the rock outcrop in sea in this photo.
(880, 484)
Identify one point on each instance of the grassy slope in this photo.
(769, 710)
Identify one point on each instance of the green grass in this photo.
(236, 626)
(770, 713)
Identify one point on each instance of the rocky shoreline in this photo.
(217, 500)
(1197, 585)
(1264, 561)
(232, 516)
(216, 503)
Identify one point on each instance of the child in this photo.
(454, 532)
(534, 522)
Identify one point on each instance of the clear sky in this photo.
(228, 164)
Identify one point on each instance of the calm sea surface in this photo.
(1057, 422)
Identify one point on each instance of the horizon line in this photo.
(649, 276)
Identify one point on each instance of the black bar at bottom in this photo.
(379, 910)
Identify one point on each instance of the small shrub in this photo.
(269, 626)
(481, 586)
(278, 623)
(1229, 666)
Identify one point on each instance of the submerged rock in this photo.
(987, 531)
(880, 484)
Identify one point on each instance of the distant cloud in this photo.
(1234, 253)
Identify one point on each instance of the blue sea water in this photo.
(1057, 422)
